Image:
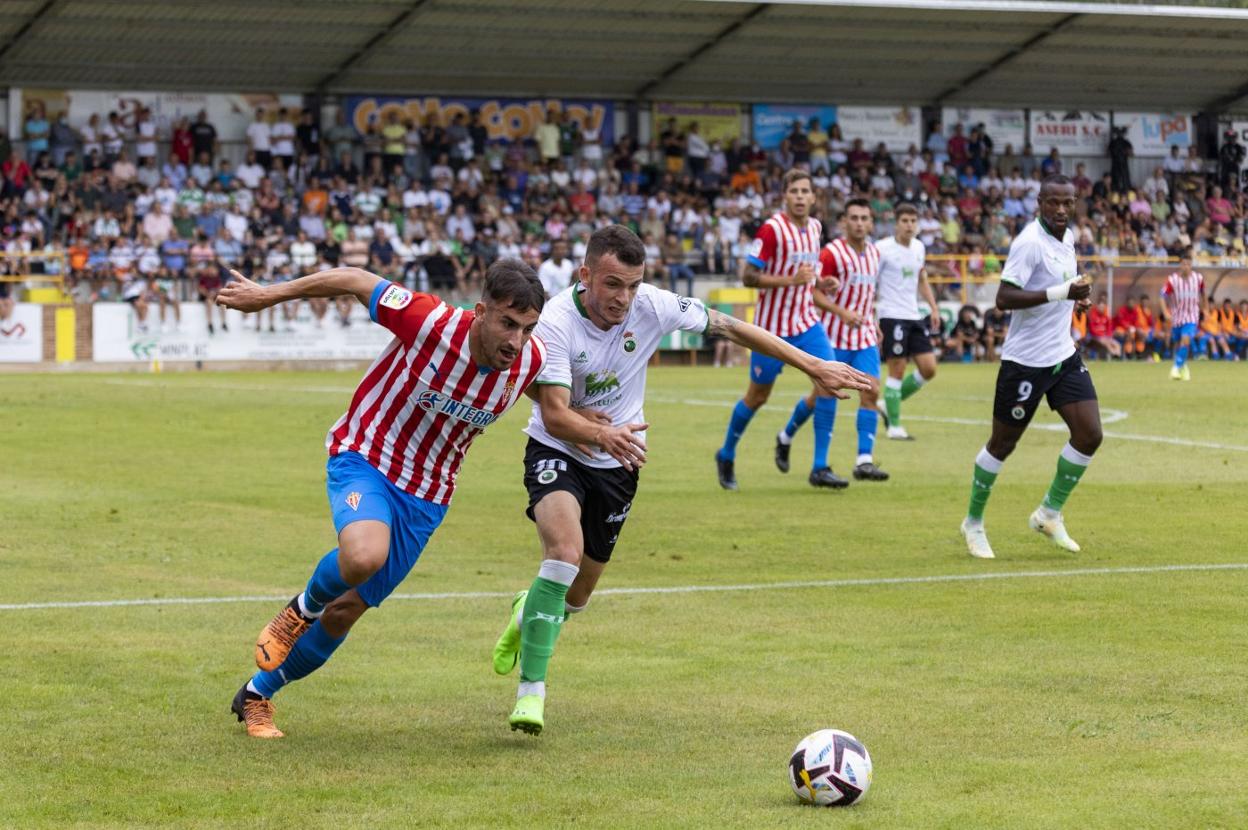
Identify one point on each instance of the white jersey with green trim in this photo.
(897, 293)
(606, 370)
(1040, 336)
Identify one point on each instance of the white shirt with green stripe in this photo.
(1040, 336)
(606, 370)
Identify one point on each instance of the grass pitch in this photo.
(1112, 700)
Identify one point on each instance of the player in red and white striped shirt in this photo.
(849, 316)
(783, 264)
(1184, 296)
(447, 375)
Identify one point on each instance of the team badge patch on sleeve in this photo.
(353, 501)
(395, 297)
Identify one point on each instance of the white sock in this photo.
(865, 458)
(569, 609)
(988, 462)
(535, 687)
(1074, 456)
(918, 379)
(251, 687)
(556, 571)
(1048, 512)
(784, 438)
(303, 608)
(892, 382)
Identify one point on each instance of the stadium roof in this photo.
(968, 52)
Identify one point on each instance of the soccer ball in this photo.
(830, 768)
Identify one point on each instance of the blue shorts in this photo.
(357, 491)
(1186, 330)
(865, 360)
(814, 341)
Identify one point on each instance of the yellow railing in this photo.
(43, 288)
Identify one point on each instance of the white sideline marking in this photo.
(1108, 416)
(677, 589)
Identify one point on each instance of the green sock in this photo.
(1071, 465)
(892, 401)
(913, 383)
(543, 617)
(986, 470)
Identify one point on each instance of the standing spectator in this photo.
(697, 151)
(1120, 150)
(1052, 164)
(394, 140)
(181, 146)
(591, 146)
(309, 135)
(818, 139)
(145, 137)
(36, 130)
(282, 138)
(958, 148)
(556, 272)
(259, 140)
(113, 137)
(673, 148)
(89, 135)
(569, 138)
(547, 137)
(341, 137)
(204, 140)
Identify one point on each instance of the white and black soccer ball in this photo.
(830, 768)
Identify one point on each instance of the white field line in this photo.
(1108, 416)
(680, 589)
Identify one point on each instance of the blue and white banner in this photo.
(772, 122)
(1152, 134)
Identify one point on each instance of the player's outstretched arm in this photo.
(1010, 297)
(245, 295)
(754, 278)
(828, 376)
(567, 424)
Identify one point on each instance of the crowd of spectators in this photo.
(141, 216)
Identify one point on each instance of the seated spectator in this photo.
(1100, 336)
(1212, 326)
(672, 253)
(996, 323)
(1132, 325)
(965, 336)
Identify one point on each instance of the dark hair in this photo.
(1186, 253)
(514, 283)
(618, 241)
(857, 202)
(1055, 180)
(905, 209)
(795, 175)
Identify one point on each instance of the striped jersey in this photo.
(425, 399)
(780, 248)
(859, 273)
(1184, 294)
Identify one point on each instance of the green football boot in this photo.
(507, 649)
(527, 716)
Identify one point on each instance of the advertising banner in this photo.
(117, 336)
(505, 118)
(1073, 132)
(715, 121)
(897, 127)
(1153, 134)
(1003, 126)
(21, 334)
(772, 122)
(230, 114)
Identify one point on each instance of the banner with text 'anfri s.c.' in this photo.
(1072, 132)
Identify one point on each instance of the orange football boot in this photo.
(256, 712)
(278, 637)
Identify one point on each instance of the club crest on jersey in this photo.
(509, 389)
(395, 297)
(353, 501)
(442, 404)
(630, 342)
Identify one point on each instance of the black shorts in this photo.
(904, 338)
(605, 495)
(1020, 388)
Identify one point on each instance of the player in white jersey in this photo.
(1041, 285)
(784, 266)
(581, 475)
(853, 263)
(1184, 296)
(905, 333)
